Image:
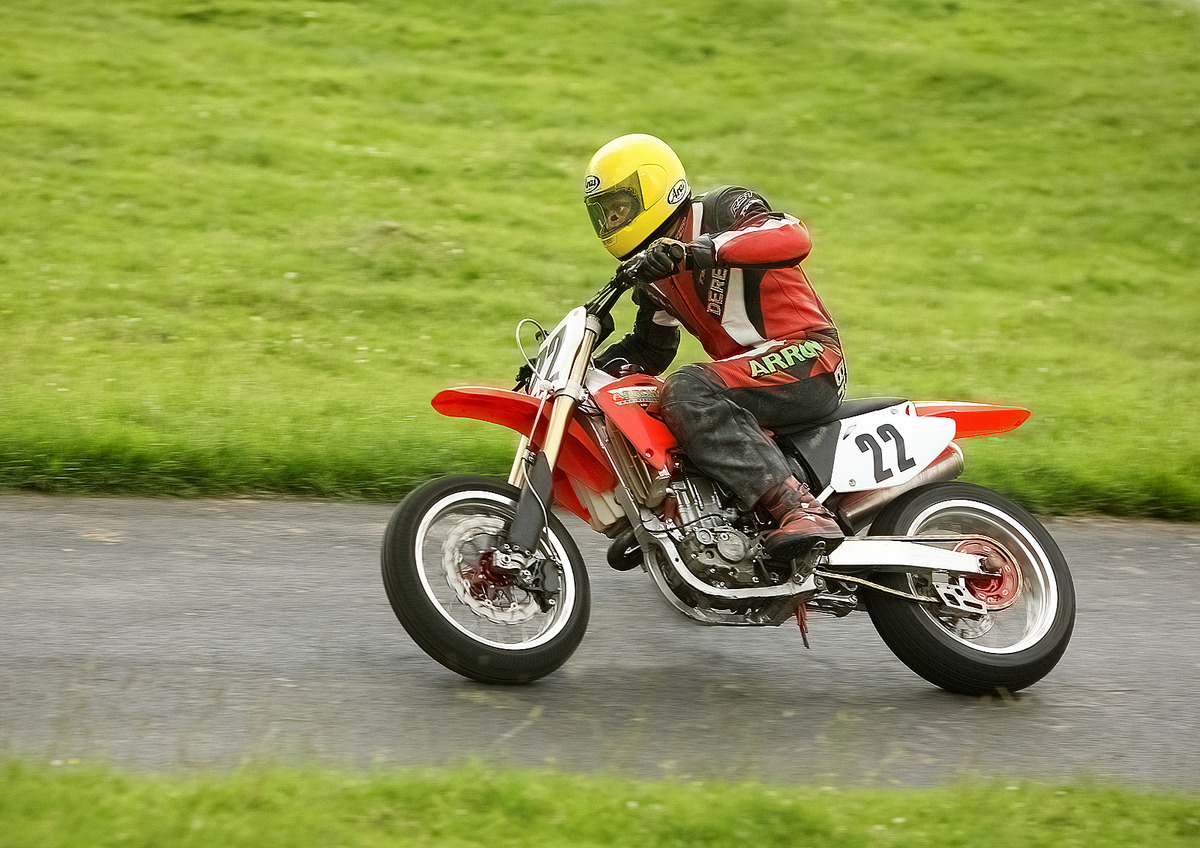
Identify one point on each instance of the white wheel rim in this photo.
(523, 630)
(1028, 621)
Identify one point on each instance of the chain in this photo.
(844, 578)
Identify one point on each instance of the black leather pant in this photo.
(717, 411)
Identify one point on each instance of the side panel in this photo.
(579, 459)
(628, 403)
(887, 448)
(974, 419)
(816, 449)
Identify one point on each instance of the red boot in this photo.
(803, 521)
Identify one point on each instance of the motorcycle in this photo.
(965, 587)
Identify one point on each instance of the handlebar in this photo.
(604, 300)
(629, 274)
(600, 306)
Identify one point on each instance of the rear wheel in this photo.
(444, 585)
(1030, 599)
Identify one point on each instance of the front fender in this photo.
(580, 457)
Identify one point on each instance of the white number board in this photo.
(887, 447)
(558, 351)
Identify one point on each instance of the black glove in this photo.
(663, 258)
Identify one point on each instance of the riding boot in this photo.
(803, 521)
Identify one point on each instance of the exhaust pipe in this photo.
(857, 509)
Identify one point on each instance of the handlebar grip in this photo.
(628, 272)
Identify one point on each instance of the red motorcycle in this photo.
(966, 588)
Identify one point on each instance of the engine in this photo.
(720, 556)
(713, 548)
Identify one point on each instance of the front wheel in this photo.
(473, 618)
(1030, 600)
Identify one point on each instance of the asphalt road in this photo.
(177, 635)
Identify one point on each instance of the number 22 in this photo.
(887, 433)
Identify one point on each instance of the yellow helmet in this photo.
(633, 185)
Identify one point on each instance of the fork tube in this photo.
(569, 398)
(532, 506)
(516, 477)
(560, 417)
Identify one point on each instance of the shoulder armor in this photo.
(726, 206)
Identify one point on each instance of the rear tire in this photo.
(436, 570)
(1031, 607)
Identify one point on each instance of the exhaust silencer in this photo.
(859, 508)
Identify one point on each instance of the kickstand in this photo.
(802, 621)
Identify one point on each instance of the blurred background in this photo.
(242, 243)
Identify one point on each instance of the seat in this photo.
(814, 443)
(848, 409)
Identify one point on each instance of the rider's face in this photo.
(619, 213)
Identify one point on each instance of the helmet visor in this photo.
(614, 208)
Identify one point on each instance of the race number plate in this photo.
(887, 448)
(557, 353)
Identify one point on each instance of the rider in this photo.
(727, 268)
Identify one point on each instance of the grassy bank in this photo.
(242, 243)
(87, 806)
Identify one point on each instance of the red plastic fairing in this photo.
(974, 419)
(579, 458)
(628, 403)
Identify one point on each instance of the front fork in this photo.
(533, 471)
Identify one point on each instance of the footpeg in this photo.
(814, 558)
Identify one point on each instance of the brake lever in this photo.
(626, 277)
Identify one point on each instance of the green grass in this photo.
(242, 243)
(46, 808)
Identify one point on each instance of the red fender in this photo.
(974, 419)
(580, 458)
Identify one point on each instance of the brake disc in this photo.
(467, 561)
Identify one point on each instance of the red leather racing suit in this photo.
(776, 355)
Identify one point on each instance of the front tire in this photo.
(436, 562)
(1031, 602)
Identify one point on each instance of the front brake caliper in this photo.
(538, 577)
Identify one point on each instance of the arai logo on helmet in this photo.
(591, 184)
(678, 192)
